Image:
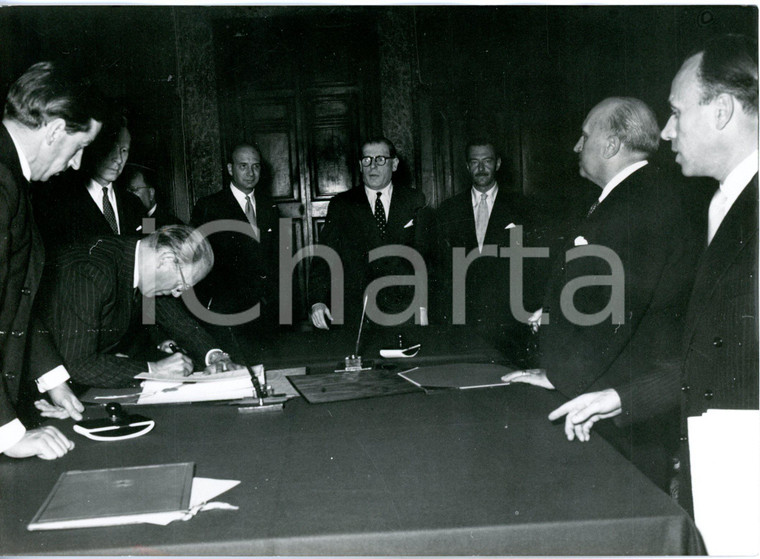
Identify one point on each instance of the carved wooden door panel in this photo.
(304, 91)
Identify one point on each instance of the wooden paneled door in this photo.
(305, 90)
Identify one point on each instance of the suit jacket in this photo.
(21, 262)
(488, 278)
(67, 214)
(93, 312)
(245, 271)
(644, 223)
(163, 217)
(351, 230)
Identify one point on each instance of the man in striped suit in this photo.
(91, 305)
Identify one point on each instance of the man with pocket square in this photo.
(376, 214)
(640, 254)
(482, 215)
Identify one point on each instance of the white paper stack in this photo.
(724, 448)
(163, 392)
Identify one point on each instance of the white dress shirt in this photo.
(240, 197)
(490, 198)
(385, 198)
(96, 193)
(728, 191)
(620, 177)
(13, 431)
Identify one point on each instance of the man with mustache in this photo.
(484, 214)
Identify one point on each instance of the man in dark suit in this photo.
(713, 128)
(483, 215)
(245, 273)
(601, 335)
(46, 125)
(86, 203)
(370, 217)
(141, 181)
(91, 305)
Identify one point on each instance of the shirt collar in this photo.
(95, 187)
(152, 210)
(371, 193)
(26, 170)
(490, 194)
(136, 275)
(739, 177)
(240, 195)
(620, 177)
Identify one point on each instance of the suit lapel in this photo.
(737, 229)
(364, 218)
(399, 213)
(497, 221)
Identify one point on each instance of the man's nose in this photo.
(578, 146)
(668, 133)
(76, 161)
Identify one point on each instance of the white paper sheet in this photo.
(724, 448)
(157, 392)
(203, 491)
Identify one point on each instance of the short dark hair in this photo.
(729, 65)
(380, 140)
(114, 122)
(242, 145)
(132, 170)
(632, 121)
(480, 141)
(46, 92)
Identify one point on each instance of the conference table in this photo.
(437, 472)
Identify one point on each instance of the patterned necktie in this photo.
(250, 213)
(108, 212)
(481, 220)
(380, 215)
(716, 213)
(592, 208)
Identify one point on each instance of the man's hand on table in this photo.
(65, 404)
(320, 313)
(177, 364)
(536, 377)
(46, 442)
(583, 411)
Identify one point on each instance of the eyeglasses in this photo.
(380, 160)
(182, 287)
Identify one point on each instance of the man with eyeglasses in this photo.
(141, 181)
(92, 298)
(376, 214)
(482, 215)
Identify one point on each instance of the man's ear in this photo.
(229, 168)
(724, 110)
(54, 130)
(612, 147)
(395, 163)
(498, 164)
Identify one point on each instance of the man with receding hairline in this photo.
(713, 129)
(639, 216)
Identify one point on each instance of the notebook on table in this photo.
(115, 496)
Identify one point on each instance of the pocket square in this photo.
(139, 228)
(411, 222)
(510, 226)
(580, 240)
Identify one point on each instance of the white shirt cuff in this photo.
(11, 433)
(210, 353)
(53, 378)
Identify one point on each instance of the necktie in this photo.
(592, 208)
(715, 214)
(481, 220)
(250, 213)
(108, 212)
(380, 215)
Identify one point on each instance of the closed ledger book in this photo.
(115, 496)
